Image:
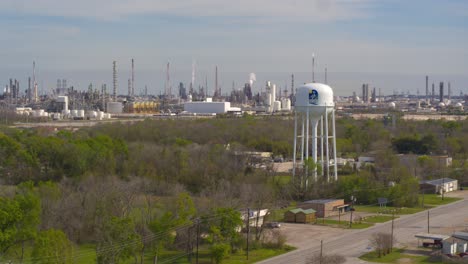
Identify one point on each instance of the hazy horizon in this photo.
(391, 45)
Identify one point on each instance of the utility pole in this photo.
(393, 218)
(428, 221)
(248, 232)
(443, 186)
(321, 251)
(351, 218)
(198, 235)
(189, 245)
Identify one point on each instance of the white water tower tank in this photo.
(315, 98)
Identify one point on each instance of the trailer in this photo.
(435, 240)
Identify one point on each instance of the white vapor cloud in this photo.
(306, 10)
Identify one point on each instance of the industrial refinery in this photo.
(65, 102)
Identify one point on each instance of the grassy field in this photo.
(378, 219)
(430, 201)
(387, 210)
(435, 200)
(397, 256)
(343, 224)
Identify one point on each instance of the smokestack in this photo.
(29, 89)
(441, 92)
(449, 91)
(129, 87)
(133, 78)
(313, 67)
(433, 92)
(34, 83)
(427, 89)
(216, 91)
(114, 79)
(292, 85)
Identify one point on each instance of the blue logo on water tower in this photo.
(313, 97)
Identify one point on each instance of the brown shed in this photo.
(305, 216)
(290, 216)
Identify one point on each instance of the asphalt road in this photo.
(443, 220)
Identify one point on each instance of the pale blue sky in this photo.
(390, 44)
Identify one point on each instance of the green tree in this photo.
(118, 242)
(162, 227)
(219, 252)
(52, 247)
(226, 229)
(10, 214)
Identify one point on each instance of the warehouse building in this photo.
(210, 107)
(325, 207)
(438, 186)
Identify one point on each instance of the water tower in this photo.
(314, 105)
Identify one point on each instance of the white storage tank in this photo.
(276, 106)
(114, 107)
(100, 115)
(81, 114)
(107, 116)
(286, 104)
(74, 113)
(65, 113)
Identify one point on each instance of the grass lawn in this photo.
(378, 218)
(343, 224)
(255, 255)
(387, 210)
(396, 256)
(435, 200)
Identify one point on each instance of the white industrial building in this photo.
(210, 107)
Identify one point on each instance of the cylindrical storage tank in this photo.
(100, 115)
(114, 107)
(315, 98)
(107, 116)
(80, 114)
(392, 105)
(268, 101)
(92, 114)
(74, 113)
(273, 93)
(286, 104)
(65, 113)
(276, 106)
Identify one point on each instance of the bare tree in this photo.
(382, 242)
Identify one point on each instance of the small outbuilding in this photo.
(439, 185)
(305, 216)
(290, 216)
(299, 215)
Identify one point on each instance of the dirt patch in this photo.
(301, 235)
(405, 261)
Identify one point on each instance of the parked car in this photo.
(273, 225)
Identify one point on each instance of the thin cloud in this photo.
(271, 10)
